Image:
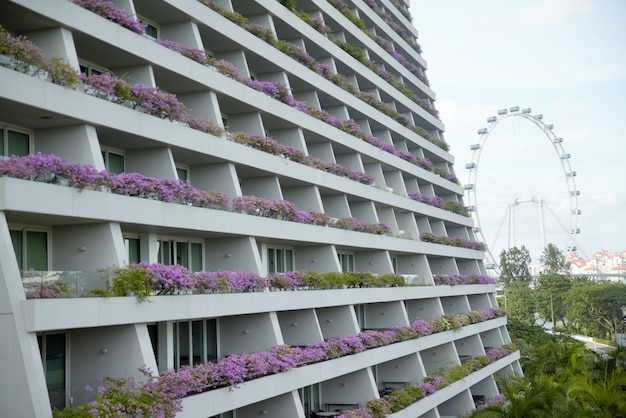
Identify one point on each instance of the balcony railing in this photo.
(54, 284)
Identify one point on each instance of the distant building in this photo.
(601, 265)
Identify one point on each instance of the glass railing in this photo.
(60, 284)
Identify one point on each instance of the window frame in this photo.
(42, 343)
(106, 157)
(150, 23)
(173, 251)
(267, 262)
(183, 168)
(4, 138)
(23, 230)
(349, 257)
(91, 68)
(204, 356)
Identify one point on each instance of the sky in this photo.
(565, 59)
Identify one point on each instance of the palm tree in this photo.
(603, 397)
(527, 399)
(562, 359)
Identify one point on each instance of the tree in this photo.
(595, 306)
(539, 398)
(599, 398)
(515, 265)
(519, 301)
(553, 261)
(550, 293)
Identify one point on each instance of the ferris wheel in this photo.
(521, 189)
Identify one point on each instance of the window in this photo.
(346, 260)
(279, 260)
(195, 342)
(31, 248)
(310, 398)
(184, 253)
(90, 69)
(114, 161)
(152, 28)
(182, 172)
(359, 310)
(53, 350)
(14, 142)
(133, 254)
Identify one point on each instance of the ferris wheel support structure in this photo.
(542, 133)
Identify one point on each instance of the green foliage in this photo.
(595, 308)
(29, 58)
(519, 301)
(526, 335)
(515, 265)
(550, 293)
(127, 281)
(553, 261)
(355, 51)
(399, 399)
(454, 207)
(289, 4)
(561, 379)
(380, 408)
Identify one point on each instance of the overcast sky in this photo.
(566, 59)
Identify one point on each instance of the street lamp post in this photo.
(552, 310)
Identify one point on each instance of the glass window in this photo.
(183, 173)
(36, 250)
(89, 68)
(182, 254)
(132, 250)
(310, 398)
(186, 254)
(347, 262)
(280, 260)
(114, 162)
(13, 142)
(53, 354)
(195, 342)
(17, 143)
(31, 249)
(211, 339)
(152, 28)
(359, 310)
(196, 257)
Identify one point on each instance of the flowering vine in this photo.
(453, 241)
(282, 209)
(26, 57)
(384, 43)
(110, 11)
(123, 394)
(438, 202)
(458, 279)
(304, 58)
(158, 103)
(52, 169)
(409, 394)
(152, 100)
(144, 279)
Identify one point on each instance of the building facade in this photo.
(328, 110)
